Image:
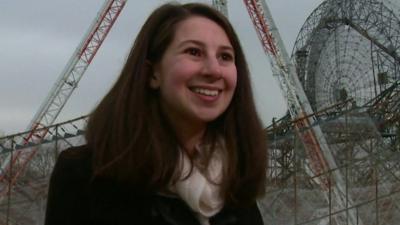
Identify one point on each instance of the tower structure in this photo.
(310, 134)
(350, 77)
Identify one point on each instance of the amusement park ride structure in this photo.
(319, 44)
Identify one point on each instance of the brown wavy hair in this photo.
(134, 144)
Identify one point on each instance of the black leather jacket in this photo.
(75, 199)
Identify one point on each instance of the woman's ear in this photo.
(154, 81)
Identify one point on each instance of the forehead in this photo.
(201, 28)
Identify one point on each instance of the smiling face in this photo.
(197, 74)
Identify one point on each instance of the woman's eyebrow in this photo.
(200, 43)
(191, 41)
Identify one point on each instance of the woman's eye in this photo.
(193, 51)
(226, 57)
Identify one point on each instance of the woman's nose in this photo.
(212, 68)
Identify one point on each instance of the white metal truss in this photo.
(77, 65)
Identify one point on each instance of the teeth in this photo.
(206, 92)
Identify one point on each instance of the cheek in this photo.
(172, 80)
(178, 75)
(232, 80)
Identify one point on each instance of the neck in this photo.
(190, 137)
(189, 131)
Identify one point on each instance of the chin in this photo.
(208, 116)
(208, 119)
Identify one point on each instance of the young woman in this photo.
(177, 140)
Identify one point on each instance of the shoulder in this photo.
(68, 187)
(75, 154)
(72, 168)
(249, 215)
(73, 163)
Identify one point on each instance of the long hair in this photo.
(133, 142)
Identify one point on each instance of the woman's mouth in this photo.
(204, 91)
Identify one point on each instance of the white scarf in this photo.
(202, 196)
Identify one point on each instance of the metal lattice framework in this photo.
(77, 65)
(14, 164)
(346, 57)
(320, 159)
(348, 49)
(22, 159)
(26, 198)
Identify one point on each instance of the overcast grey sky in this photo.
(38, 37)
